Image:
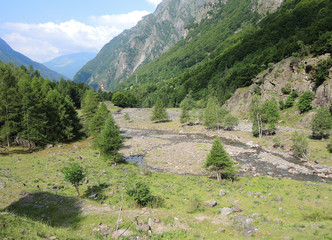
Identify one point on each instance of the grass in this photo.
(36, 202)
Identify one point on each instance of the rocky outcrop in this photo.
(291, 72)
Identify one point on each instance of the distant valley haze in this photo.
(45, 30)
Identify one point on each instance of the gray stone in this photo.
(150, 222)
(95, 195)
(143, 227)
(250, 230)
(236, 209)
(225, 211)
(222, 192)
(76, 147)
(60, 146)
(278, 199)
(122, 233)
(211, 203)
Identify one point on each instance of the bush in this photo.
(140, 193)
(159, 113)
(321, 123)
(287, 89)
(300, 144)
(195, 205)
(305, 101)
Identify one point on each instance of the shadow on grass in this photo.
(96, 192)
(53, 210)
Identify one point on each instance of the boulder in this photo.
(211, 203)
(225, 211)
(222, 192)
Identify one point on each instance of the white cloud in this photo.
(154, 2)
(45, 41)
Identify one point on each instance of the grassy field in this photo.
(37, 203)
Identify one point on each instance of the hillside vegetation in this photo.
(229, 48)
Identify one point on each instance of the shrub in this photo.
(287, 89)
(126, 117)
(321, 123)
(300, 144)
(159, 113)
(305, 101)
(195, 205)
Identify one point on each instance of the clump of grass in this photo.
(195, 205)
(318, 216)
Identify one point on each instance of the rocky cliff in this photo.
(133, 48)
(293, 73)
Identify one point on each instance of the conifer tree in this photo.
(89, 105)
(109, 141)
(98, 120)
(219, 161)
(185, 115)
(212, 114)
(159, 113)
(9, 112)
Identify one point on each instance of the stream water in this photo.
(248, 158)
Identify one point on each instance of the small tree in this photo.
(219, 161)
(305, 101)
(159, 113)
(140, 193)
(300, 144)
(321, 123)
(109, 141)
(98, 120)
(74, 174)
(185, 115)
(213, 114)
(230, 121)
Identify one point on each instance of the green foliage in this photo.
(322, 72)
(290, 100)
(214, 114)
(159, 113)
(74, 174)
(195, 205)
(219, 161)
(287, 89)
(329, 146)
(257, 90)
(185, 115)
(300, 144)
(119, 99)
(321, 124)
(230, 121)
(109, 141)
(126, 117)
(98, 120)
(140, 193)
(264, 116)
(213, 58)
(305, 101)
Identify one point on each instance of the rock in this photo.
(211, 203)
(222, 230)
(52, 238)
(60, 146)
(122, 233)
(50, 145)
(222, 192)
(250, 230)
(79, 157)
(236, 209)
(95, 195)
(76, 147)
(102, 229)
(278, 199)
(143, 227)
(150, 223)
(156, 220)
(225, 211)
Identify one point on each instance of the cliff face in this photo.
(133, 48)
(291, 72)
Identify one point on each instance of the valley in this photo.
(265, 201)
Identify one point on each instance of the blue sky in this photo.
(45, 29)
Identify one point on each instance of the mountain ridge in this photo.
(7, 54)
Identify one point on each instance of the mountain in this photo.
(228, 48)
(134, 48)
(7, 54)
(69, 65)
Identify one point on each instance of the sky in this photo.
(45, 29)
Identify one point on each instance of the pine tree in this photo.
(159, 113)
(219, 161)
(89, 105)
(98, 120)
(9, 105)
(185, 115)
(109, 141)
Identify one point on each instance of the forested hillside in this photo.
(230, 47)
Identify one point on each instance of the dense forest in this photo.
(228, 49)
(35, 111)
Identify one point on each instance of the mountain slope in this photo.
(7, 54)
(230, 47)
(133, 48)
(69, 65)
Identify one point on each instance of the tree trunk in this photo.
(219, 176)
(78, 192)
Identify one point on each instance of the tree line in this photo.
(35, 111)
